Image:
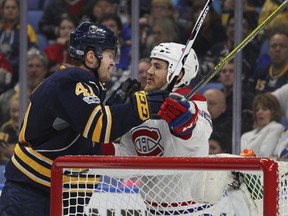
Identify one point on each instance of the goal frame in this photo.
(268, 166)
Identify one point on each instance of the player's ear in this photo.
(90, 56)
(180, 77)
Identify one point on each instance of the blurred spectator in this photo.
(160, 9)
(273, 75)
(5, 74)
(161, 25)
(221, 121)
(54, 10)
(222, 49)
(229, 6)
(58, 52)
(143, 66)
(267, 127)
(226, 77)
(113, 22)
(100, 8)
(9, 130)
(105, 13)
(211, 32)
(269, 7)
(10, 35)
(218, 143)
(37, 63)
(163, 30)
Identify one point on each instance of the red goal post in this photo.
(274, 175)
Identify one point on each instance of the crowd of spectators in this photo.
(264, 65)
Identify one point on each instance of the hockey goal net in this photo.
(118, 186)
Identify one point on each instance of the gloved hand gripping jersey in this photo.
(180, 114)
(148, 103)
(123, 92)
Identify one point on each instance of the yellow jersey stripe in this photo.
(31, 163)
(22, 131)
(29, 174)
(39, 169)
(90, 120)
(39, 156)
(98, 129)
(109, 124)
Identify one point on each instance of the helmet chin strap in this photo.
(168, 81)
(165, 86)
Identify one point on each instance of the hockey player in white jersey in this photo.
(182, 131)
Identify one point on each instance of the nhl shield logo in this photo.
(147, 141)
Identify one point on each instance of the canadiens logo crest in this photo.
(147, 141)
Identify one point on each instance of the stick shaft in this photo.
(189, 44)
(237, 49)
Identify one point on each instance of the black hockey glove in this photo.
(148, 104)
(124, 91)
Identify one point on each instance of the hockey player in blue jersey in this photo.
(67, 116)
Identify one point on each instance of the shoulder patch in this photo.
(185, 91)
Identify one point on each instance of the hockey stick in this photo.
(237, 49)
(189, 44)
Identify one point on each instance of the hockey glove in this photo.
(124, 91)
(180, 115)
(148, 103)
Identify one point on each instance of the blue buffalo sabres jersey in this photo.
(66, 116)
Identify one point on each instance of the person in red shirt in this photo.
(57, 53)
(5, 73)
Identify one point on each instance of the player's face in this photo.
(156, 75)
(107, 63)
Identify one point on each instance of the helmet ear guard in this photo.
(92, 35)
(171, 52)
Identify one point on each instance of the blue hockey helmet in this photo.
(93, 35)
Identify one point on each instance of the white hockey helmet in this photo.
(171, 52)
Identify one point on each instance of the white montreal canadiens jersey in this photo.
(153, 138)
